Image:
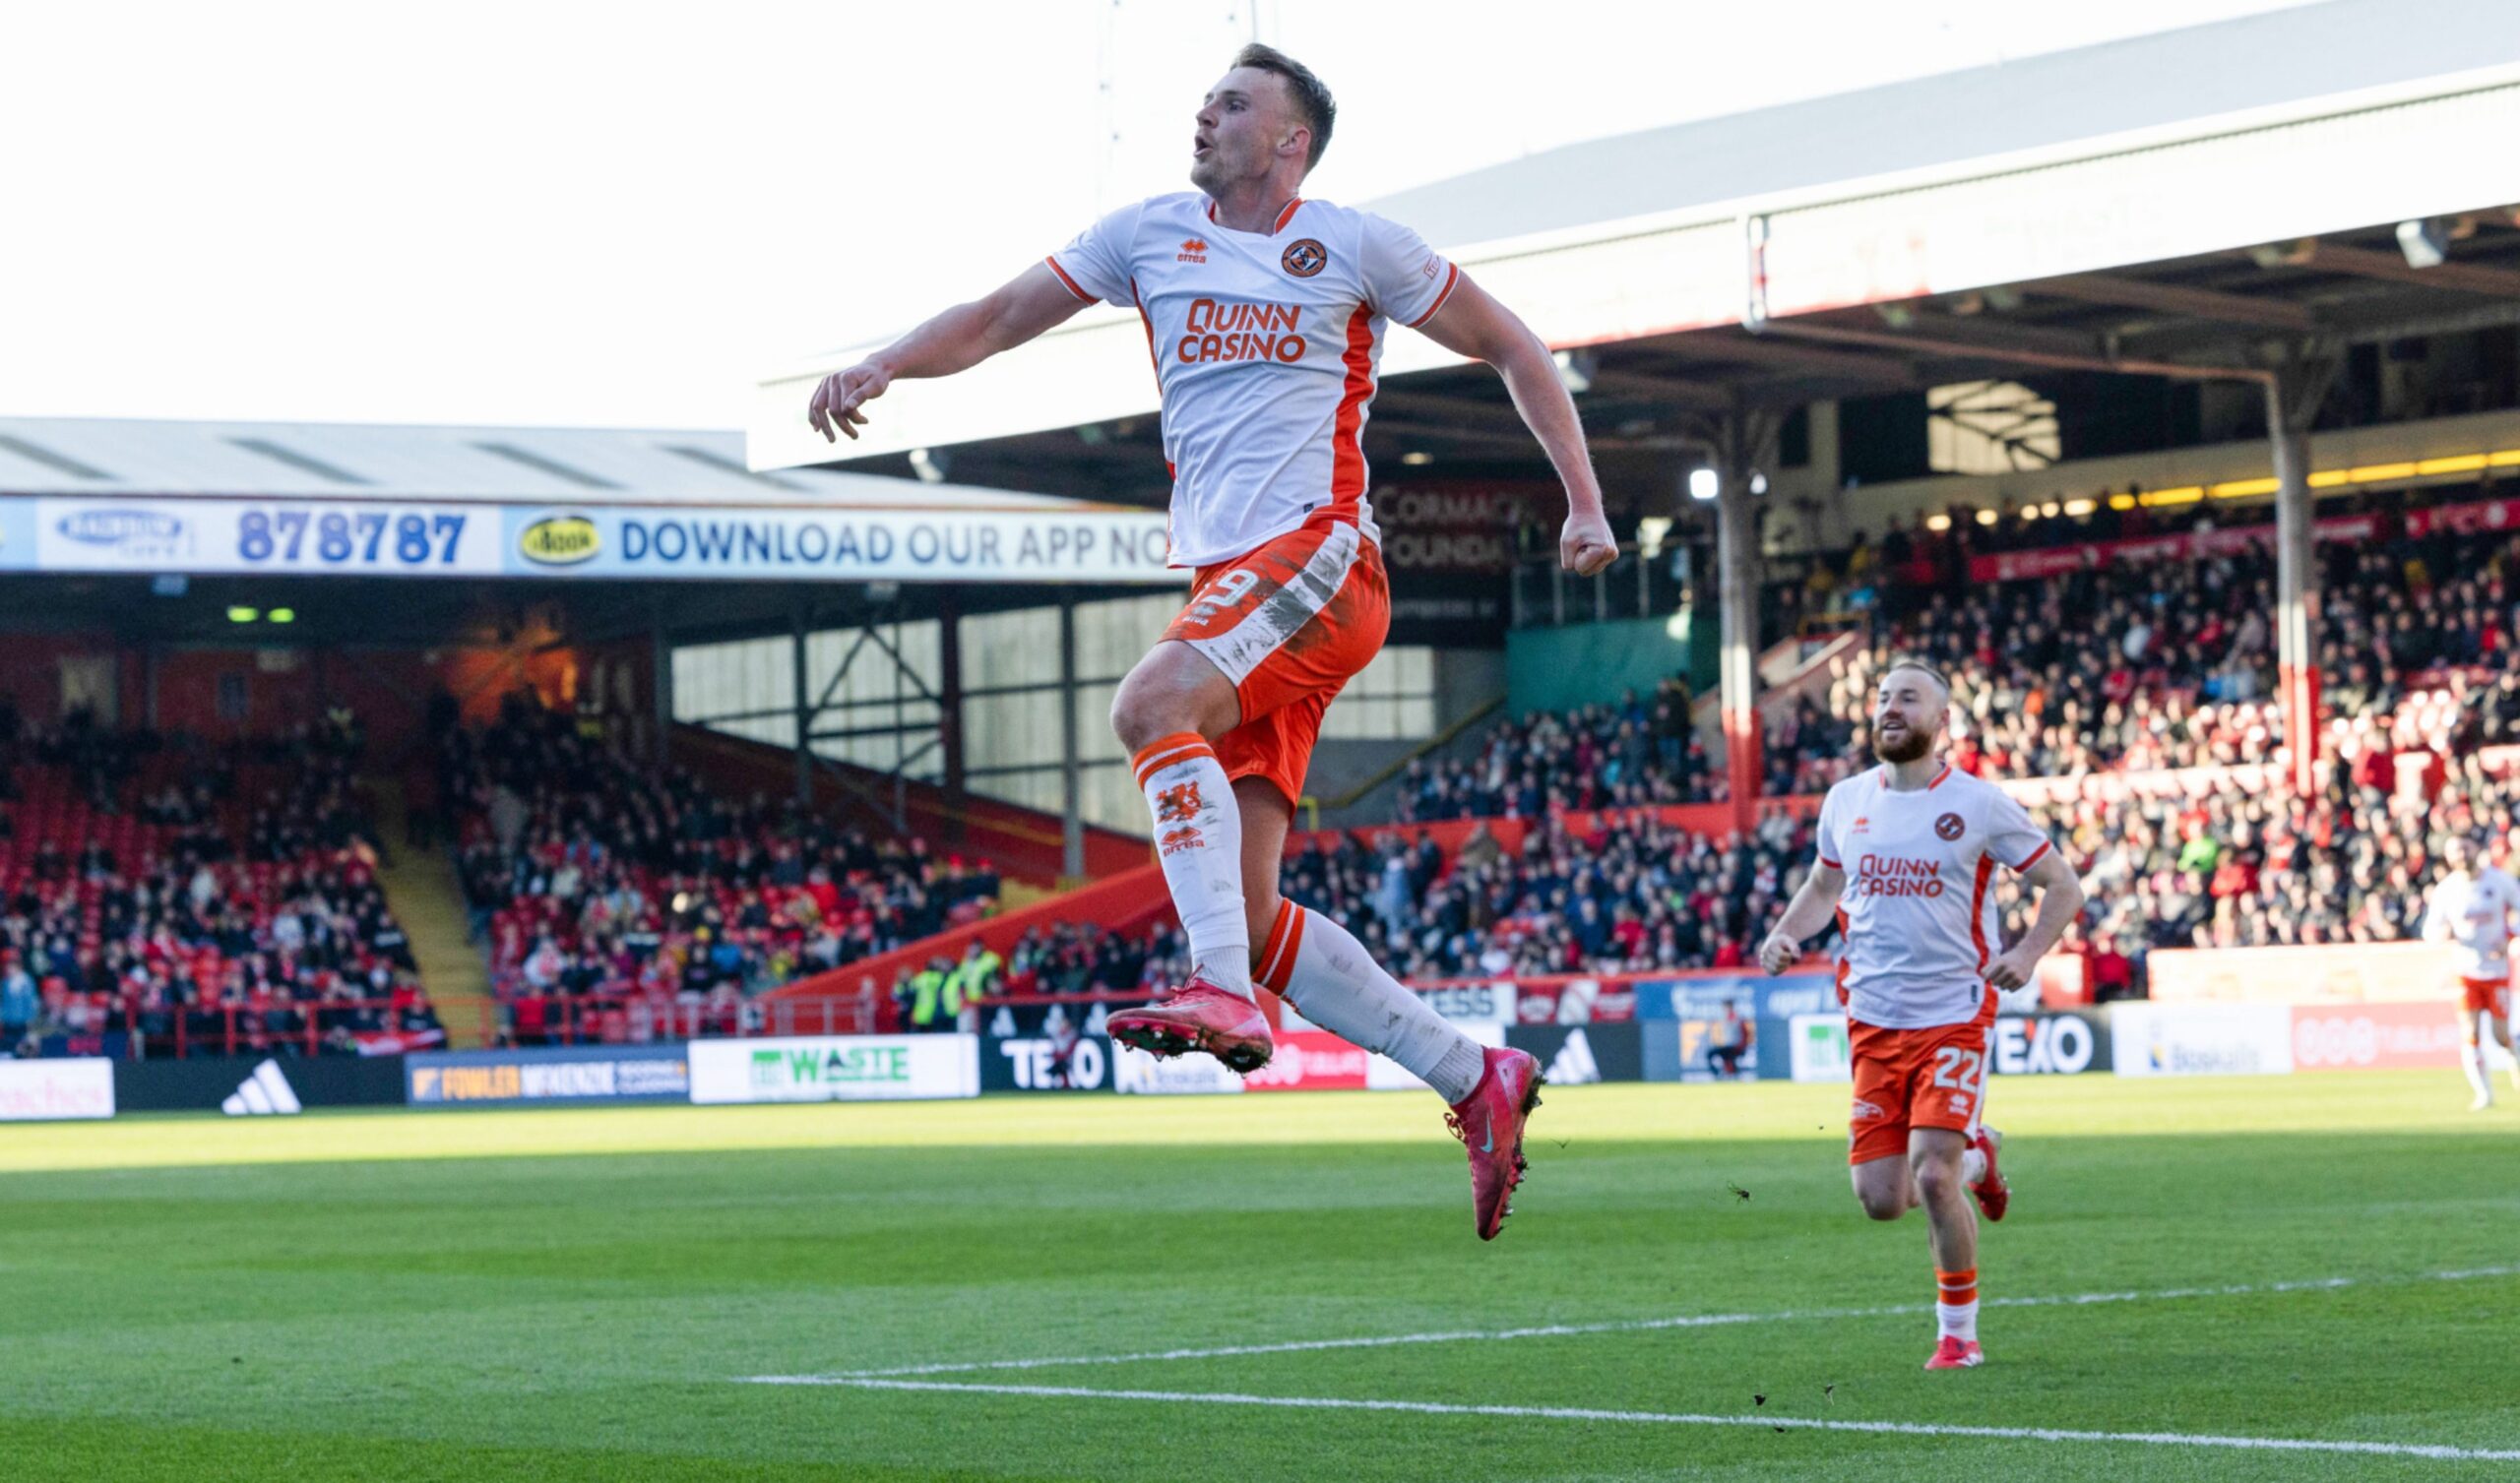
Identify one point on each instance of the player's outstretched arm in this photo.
(959, 338)
(1805, 914)
(1472, 323)
(2060, 901)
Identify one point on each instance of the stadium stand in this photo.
(2133, 667)
(616, 899)
(187, 896)
(1637, 751)
(2124, 669)
(2170, 663)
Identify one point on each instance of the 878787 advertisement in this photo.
(303, 537)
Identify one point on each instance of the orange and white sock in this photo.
(1955, 1306)
(1198, 838)
(1319, 968)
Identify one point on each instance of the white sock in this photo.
(1321, 969)
(1972, 1166)
(2472, 1060)
(1198, 836)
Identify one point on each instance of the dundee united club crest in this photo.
(1305, 258)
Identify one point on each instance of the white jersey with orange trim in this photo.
(1266, 347)
(1916, 910)
(2474, 911)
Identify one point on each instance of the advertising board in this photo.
(2333, 974)
(303, 538)
(1576, 1055)
(1475, 1003)
(723, 542)
(1041, 1062)
(2200, 1039)
(2375, 1036)
(257, 1086)
(835, 1069)
(547, 1073)
(1818, 1050)
(2042, 1044)
(2049, 1044)
(1137, 1073)
(46, 1090)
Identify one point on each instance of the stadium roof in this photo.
(2169, 205)
(2262, 61)
(90, 456)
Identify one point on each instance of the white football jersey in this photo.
(1917, 913)
(1266, 347)
(2472, 911)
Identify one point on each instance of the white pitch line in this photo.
(2432, 1450)
(1624, 1325)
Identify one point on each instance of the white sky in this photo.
(617, 215)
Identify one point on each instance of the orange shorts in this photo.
(1289, 624)
(2492, 995)
(1931, 1077)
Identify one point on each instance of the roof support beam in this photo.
(1696, 395)
(1898, 340)
(1802, 361)
(1979, 335)
(2463, 278)
(2174, 299)
(1408, 427)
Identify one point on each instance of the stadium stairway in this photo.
(421, 890)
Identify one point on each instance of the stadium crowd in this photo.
(2171, 663)
(2105, 669)
(1639, 751)
(595, 878)
(2132, 667)
(195, 895)
(1633, 895)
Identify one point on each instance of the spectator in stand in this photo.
(598, 882)
(1598, 757)
(19, 1003)
(274, 934)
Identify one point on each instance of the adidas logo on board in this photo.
(265, 1093)
(1573, 1065)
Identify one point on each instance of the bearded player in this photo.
(1906, 853)
(1265, 315)
(2471, 905)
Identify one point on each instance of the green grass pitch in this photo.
(578, 1294)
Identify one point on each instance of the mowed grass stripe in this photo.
(1634, 1326)
(2431, 1451)
(2064, 1107)
(579, 1316)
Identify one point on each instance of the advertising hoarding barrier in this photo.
(48, 1090)
(206, 1083)
(548, 1073)
(835, 1069)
